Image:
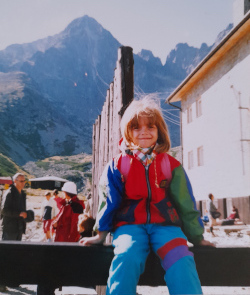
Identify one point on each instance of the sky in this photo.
(156, 25)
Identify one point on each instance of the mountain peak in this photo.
(82, 22)
(148, 56)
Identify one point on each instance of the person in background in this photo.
(213, 213)
(14, 212)
(49, 211)
(232, 219)
(146, 200)
(65, 223)
(88, 207)
(57, 199)
(205, 218)
(85, 225)
(234, 214)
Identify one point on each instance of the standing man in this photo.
(14, 210)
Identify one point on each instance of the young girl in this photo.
(148, 205)
(49, 211)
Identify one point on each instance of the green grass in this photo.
(89, 175)
(65, 162)
(81, 166)
(74, 165)
(7, 167)
(43, 165)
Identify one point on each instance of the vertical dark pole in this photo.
(127, 63)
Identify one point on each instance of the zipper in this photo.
(149, 194)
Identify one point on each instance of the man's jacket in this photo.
(13, 204)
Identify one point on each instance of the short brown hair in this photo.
(210, 196)
(86, 222)
(149, 108)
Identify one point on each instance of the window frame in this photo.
(190, 160)
(200, 156)
(189, 114)
(198, 107)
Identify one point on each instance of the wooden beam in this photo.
(75, 265)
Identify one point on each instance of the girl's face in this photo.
(145, 134)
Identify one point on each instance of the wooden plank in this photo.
(116, 108)
(93, 166)
(75, 265)
(106, 135)
(101, 143)
(111, 126)
(96, 176)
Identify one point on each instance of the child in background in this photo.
(85, 225)
(57, 199)
(89, 204)
(66, 221)
(49, 211)
(147, 202)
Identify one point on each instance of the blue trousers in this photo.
(132, 245)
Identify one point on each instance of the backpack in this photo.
(165, 166)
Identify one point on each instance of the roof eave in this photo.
(176, 95)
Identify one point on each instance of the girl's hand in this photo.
(206, 243)
(98, 239)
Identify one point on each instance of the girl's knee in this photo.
(173, 251)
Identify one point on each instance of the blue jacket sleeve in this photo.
(111, 190)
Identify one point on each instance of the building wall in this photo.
(221, 128)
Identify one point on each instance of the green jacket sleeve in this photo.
(182, 195)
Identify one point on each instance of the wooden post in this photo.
(95, 177)
(127, 80)
(107, 131)
(93, 166)
(111, 106)
(106, 134)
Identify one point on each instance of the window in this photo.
(200, 157)
(189, 114)
(190, 160)
(198, 107)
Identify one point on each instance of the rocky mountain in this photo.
(76, 168)
(31, 127)
(52, 90)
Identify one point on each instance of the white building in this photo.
(215, 117)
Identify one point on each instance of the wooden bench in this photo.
(230, 228)
(70, 264)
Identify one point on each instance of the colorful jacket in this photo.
(67, 219)
(146, 196)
